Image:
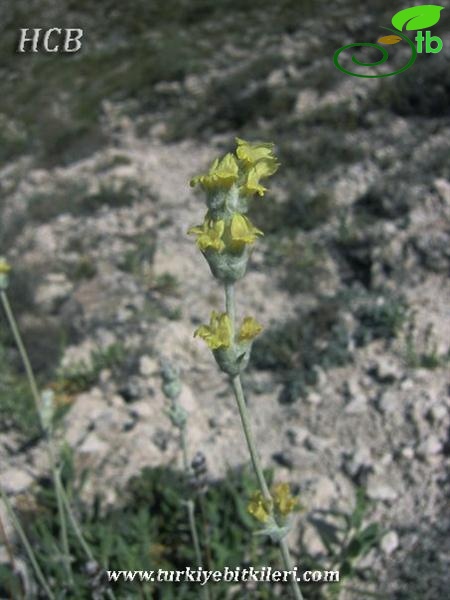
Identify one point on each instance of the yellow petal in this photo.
(257, 507)
(209, 234)
(285, 503)
(218, 333)
(249, 329)
(239, 228)
(251, 153)
(263, 168)
(222, 173)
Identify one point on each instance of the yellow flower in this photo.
(5, 267)
(223, 173)
(250, 328)
(284, 502)
(209, 234)
(263, 168)
(250, 153)
(258, 508)
(242, 230)
(218, 333)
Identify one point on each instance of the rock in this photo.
(438, 412)
(356, 405)
(408, 453)
(443, 189)
(283, 458)
(389, 543)
(148, 367)
(55, 289)
(324, 493)
(430, 447)
(93, 447)
(358, 462)
(132, 389)
(389, 401)
(433, 248)
(386, 370)
(297, 435)
(15, 481)
(314, 398)
(379, 488)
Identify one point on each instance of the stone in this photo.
(323, 494)
(131, 390)
(55, 289)
(314, 398)
(386, 370)
(379, 488)
(430, 447)
(389, 543)
(148, 367)
(358, 461)
(442, 187)
(388, 401)
(15, 481)
(356, 406)
(297, 435)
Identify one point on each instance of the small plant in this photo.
(381, 317)
(178, 416)
(45, 409)
(81, 376)
(225, 238)
(421, 350)
(348, 538)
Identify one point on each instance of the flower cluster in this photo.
(225, 238)
(226, 233)
(283, 503)
(244, 170)
(218, 334)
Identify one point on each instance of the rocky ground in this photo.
(349, 385)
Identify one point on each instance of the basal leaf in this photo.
(390, 39)
(417, 17)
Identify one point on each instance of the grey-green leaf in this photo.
(417, 17)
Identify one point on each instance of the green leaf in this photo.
(417, 17)
(360, 509)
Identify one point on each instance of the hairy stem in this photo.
(246, 425)
(254, 455)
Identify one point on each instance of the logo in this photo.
(416, 18)
(54, 39)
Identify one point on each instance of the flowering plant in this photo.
(225, 238)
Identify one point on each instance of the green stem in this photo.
(26, 544)
(50, 448)
(288, 565)
(249, 436)
(194, 532)
(246, 425)
(75, 526)
(230, 306)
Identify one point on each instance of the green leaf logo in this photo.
(417, 17)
